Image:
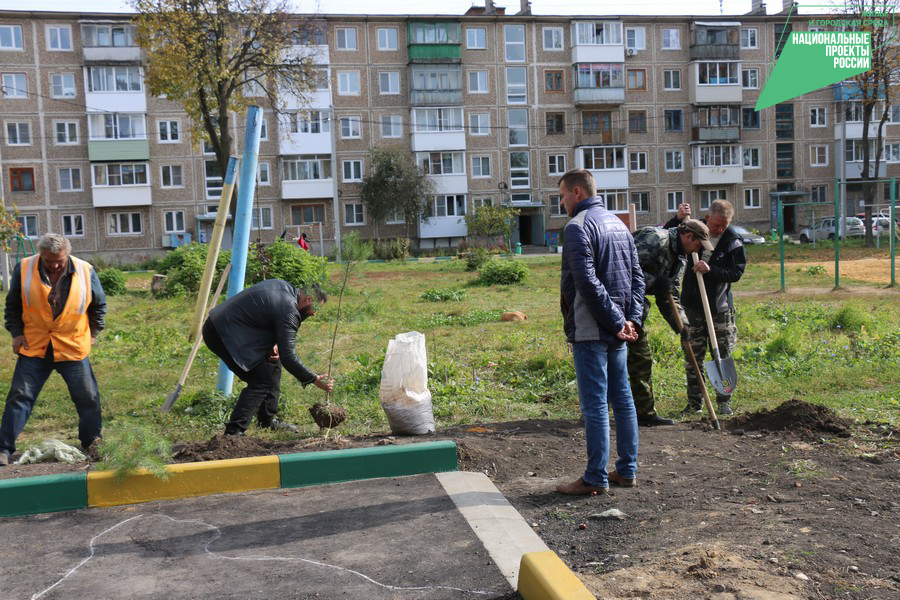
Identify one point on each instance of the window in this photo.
(637, 79)
(674, 160)
(387, 38)
(263, 174)
(354, 214)
(69, 179)
(641, 201)
(894, 114)
(395, 217)
(673, 121)
(672, 79)
(73, 225)
(21, 179)
(819, 193)
(749, 118)
(352, 170)
(389, 82)
(671, 39)
(637, 121)
(479, 123)
(116, 126)
(262, 218)
(818, 156)
(107, 36)
(450, 206)
(514, 36)
(62, 85)
(120, 174)
(10, 37)
(519, 170)
(214, 182)
(716, 156)
(169, 132)
(59, 38)
(518, 127)
(751, 157)
(348, 83)
(553, 38)
(750, 79)
(28, 225)
(307, 214)
(115, 79)
(616, 200)
(15, 85)
(817, 116)
(124, 223)
(638, 162)
(717, 73)
(442, 163)
(604, 158)
(173, 221)
(556, 207)
(516, 87)
(600, 75)
(481, 166)
(891, 155)
(853, 112)
(749, 38)
(309, 121)
(18, 134)
(784, 161)
(475, 38)
(674, 200)
(478, 82)
(553, 81)
(556, 123)
(308, 36)
(598, 33)
(485, 201)
(171, 176)
(438, 119)
(391, 126)
(707, 197)
(751, 198)
(346, 38)
(350, 128)
(557, 164)
(307, 168)
(853, 150)
(595, 122)
(784, 121)
(635, 38)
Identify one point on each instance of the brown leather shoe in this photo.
(580, 488)
(620, 481)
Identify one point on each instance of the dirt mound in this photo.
(797, 416)
(222, 446)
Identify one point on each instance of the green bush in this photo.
(394, 249)
(130, 445)
(184, 267)
(502, 272)
(476, 259)
(112, 280)
(443, 295)
(849, 319)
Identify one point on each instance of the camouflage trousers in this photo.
(726, 335)
(640, 372)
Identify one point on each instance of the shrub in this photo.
(129, 445)
(394, 249)
(443, 295)
(849, 319)
(184, 266)
(287, 261)
(476, 259)
(112, 280)
(502, 272)
(815, 270)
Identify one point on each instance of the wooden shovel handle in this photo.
(692, 358)
(711, 330)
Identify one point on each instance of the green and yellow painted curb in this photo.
(544, 576)
(52, 493)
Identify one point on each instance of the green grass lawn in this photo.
(481, 369)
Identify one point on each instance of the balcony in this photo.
(716, 134)
(116, 102)
(854, 169)
(433, 41)
(305, 143)
(450, 184)
(433, 141)
(855, 130)
(112, 54)
(598, 53)
(711, 40)
(435, 97)
(309, 188)
(717, 175)
(614, 137)
(715, 52)
(608, 179)
(121, 195)
(116, 150)
(434, 53)
(610, 96)
(443, 227)
(317, 53)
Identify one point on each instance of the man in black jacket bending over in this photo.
(254, 333)
(724, 266)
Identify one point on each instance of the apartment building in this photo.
(494, 107)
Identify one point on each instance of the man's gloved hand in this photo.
(661, 285)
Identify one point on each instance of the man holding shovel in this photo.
(719, 268)
(662, 253)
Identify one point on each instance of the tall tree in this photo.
(216, 57)
(875, 90)
(395, 185)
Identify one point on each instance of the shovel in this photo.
(692, 358)
(720, 370)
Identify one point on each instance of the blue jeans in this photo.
(601, 371)
(27, 382)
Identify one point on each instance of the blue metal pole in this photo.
(242, 220)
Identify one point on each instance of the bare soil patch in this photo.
(875, 270)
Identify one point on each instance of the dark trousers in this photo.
(260, 397)
(27, 382)
(640, 371)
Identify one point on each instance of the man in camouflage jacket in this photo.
(662, 254)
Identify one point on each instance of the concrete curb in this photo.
(544, 576)
(52, 493)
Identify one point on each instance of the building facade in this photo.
(494, 107)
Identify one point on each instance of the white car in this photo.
(853, 227)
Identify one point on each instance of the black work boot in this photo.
(654, 420)
(692, 409)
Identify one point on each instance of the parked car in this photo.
(853, 227)
(747, 236)
(881, 223)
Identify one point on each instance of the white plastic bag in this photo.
(50, 451)
(404, 386)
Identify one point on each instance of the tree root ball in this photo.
(327, 415)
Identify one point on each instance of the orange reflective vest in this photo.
(70, 332)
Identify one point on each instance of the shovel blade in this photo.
(722, 374)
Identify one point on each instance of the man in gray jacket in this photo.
(254, 333)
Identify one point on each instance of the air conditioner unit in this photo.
(631, 51)
(167, 240)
